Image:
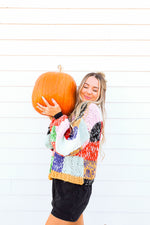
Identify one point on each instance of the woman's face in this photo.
(90, 89)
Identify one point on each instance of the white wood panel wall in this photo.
(82, 36)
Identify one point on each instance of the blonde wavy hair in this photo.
(100, 102)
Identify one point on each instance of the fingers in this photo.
(42, 109)
(48, 110)
(40, 106)
(55, 103)
(46, 102)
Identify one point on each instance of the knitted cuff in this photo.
(58, 115)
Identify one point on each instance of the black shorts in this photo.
(69, 200)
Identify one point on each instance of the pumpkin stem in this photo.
(60, 68)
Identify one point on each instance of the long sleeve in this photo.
(66, 139)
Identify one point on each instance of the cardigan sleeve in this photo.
(65, 139)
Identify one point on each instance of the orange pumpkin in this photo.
(57, 85)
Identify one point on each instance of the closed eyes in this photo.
(95, 90)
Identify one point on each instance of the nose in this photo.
(89, 91)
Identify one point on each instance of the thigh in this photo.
(52, 220)
(80, 221)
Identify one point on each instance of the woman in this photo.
(75, 142)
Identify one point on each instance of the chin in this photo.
(88, 100)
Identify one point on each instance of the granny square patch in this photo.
(95, 132)
(58, 163)
(89, 169)
(73, 133)
(74, 166)
(90, 151)
(53, 134)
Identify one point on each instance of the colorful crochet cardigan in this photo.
(75, 148)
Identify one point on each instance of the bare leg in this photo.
(79, 221)
(52, 220)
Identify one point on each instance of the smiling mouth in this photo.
(86, 97)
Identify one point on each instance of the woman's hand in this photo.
(49, 110)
